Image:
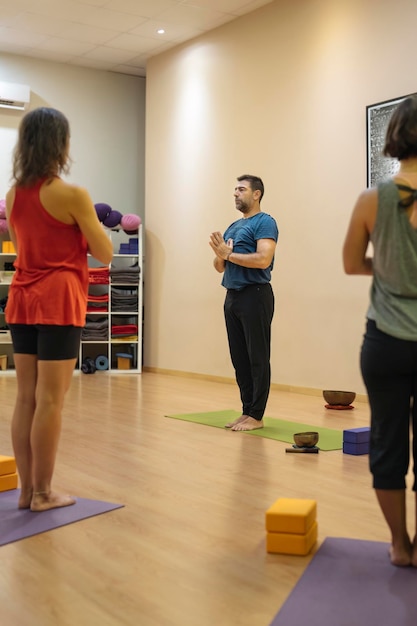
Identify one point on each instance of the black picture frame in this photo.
(379, 167)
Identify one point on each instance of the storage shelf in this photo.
(108, 348)
(99, 347)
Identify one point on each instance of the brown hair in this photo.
(255, 182)
(42, 146)
(401, 135)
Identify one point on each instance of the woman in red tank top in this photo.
(52, 225)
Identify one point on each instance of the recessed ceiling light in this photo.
(160, 31)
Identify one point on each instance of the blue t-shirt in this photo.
(245, 234)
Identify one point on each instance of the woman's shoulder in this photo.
(64, 191)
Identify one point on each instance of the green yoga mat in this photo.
(274, 428)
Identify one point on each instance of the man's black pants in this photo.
(248, 314)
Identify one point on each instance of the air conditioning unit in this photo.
(14, 96)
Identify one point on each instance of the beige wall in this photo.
(280, 93)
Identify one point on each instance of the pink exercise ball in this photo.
(2, 209)
(130, 223)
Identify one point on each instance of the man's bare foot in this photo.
(25, 498)
(242, 418)
(44, 500)
(250, 423)
(401, 557)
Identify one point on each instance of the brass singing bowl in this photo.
(343, 398)
(306, 440)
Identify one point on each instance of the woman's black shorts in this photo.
(49, 343)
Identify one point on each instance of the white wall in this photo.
(106, 112)
(281, 93)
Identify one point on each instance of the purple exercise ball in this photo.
(113, 219)
(102, 210)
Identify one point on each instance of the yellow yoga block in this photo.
(8, 481)
(124, 361)
(8, 247)
(287, 543)
(291, 515)
(7, 465)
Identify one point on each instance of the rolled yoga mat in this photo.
(102, 362)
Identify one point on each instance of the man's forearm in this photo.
(252, 260)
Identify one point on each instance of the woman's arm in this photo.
(357, 238)
(83, 211)
(10, 196)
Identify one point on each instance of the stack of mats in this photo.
(8, 475)
(125, 275)
(291, 526)
(124, 299)
(124, 330)
(97, 303)
(356, 440)
(98, 275)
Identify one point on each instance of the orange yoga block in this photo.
(291, 515)
(124, 361)
(287, 543)
(7, 465)
(8, 482)
(8, 247)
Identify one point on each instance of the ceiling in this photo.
(115, 35)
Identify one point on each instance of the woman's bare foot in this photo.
(401, 556)
(25, 498)
(250, 423)
(242, 418)
(45, 500)
(414, 553)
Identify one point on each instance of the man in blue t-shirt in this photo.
(245, 256)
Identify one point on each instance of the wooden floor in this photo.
(188, 549)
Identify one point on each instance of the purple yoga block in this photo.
(356, 448)
(357, 435)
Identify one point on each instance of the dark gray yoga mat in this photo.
(351, 582)
(16, 524)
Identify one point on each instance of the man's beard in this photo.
(242, 207)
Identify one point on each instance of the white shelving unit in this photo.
(106, 345)
(103, 351)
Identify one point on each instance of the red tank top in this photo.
(50, 283)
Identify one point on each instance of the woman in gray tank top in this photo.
(387, 217)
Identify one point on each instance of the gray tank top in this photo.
(393, 304)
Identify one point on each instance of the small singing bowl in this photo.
(342, 398)
(306, 440)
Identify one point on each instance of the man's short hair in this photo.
(255, 182)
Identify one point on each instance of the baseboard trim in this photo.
(307, 391)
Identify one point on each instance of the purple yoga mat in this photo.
(18, 524)
(351, 582)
